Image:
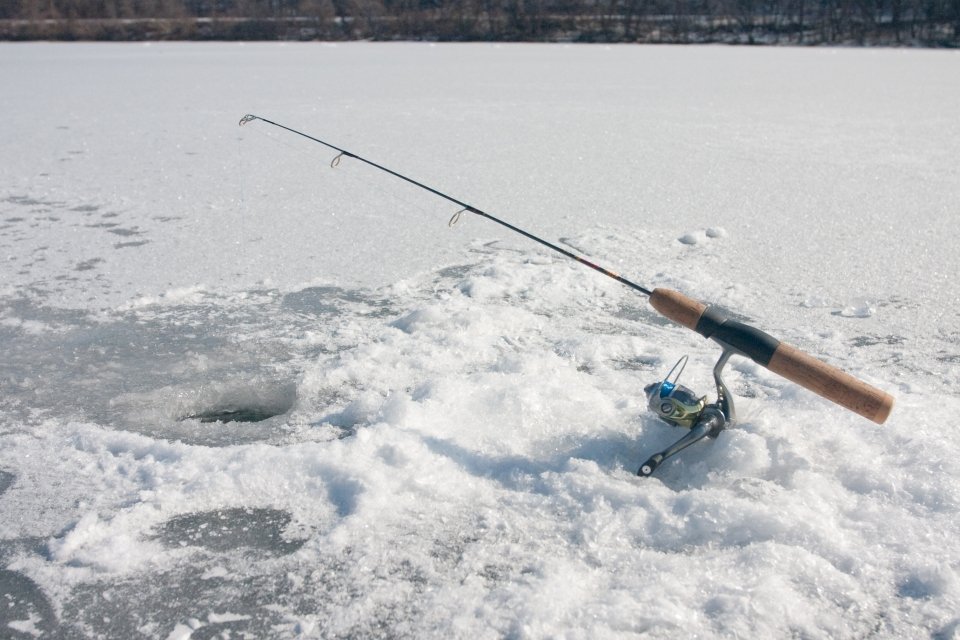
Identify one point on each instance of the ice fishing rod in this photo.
(671, 401)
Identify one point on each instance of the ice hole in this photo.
(242, 403)
(239, 414)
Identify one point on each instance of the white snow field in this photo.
(247, 395)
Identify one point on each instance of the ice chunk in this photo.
(716, 232)
(857, 310)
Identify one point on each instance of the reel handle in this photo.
(793, 364)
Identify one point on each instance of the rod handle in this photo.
(783, 359)
(677, 307)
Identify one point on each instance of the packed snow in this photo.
(245, 394)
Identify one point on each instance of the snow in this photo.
(244, 394)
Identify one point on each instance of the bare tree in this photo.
(931, 22)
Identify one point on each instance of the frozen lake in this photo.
(244, 394)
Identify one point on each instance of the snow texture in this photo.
(243, 394)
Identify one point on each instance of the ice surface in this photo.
(448, 422)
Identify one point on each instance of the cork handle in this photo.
(831, 383)
(678, 307)
(791, 363)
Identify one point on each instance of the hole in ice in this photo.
(195, 413)
(243, 403)
(331, 300)
(243, 414)
(228, 596)
(25, 611)
(236, 604)
(228, 529)
(6, 479)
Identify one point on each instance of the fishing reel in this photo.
(679, 406)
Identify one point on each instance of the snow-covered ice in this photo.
(245, 394)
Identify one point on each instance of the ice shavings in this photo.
(216, 618)
(97, 544)
(861, 309)
(184, 295)
(488, 465)
(28, 626)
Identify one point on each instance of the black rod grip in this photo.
(750, 341)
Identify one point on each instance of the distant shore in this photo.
(651, 29)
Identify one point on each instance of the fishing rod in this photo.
(671, 401)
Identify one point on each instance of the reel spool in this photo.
(679, 406)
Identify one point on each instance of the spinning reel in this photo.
(679, 406)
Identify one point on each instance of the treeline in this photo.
(852, 22)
